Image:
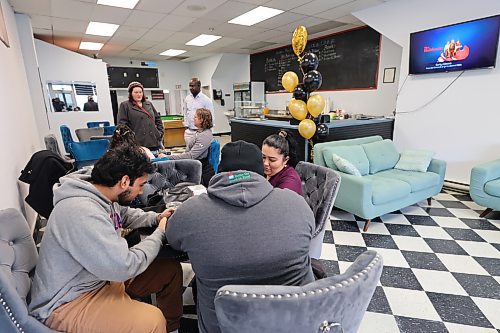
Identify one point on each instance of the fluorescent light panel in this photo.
(119, 3)
(255, 16)
(172, 52)
(101, 29)
(203, 40)
(91, 46)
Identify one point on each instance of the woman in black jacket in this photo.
(141, 116)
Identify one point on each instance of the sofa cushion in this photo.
(354, 154)
(414, 160)
(417, 180)
(382, 155)
(386, 190)
(493, 187)
(345, 166)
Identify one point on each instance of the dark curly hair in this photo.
(122, 160)
(206, 118)
(286, 145)
(122, 135)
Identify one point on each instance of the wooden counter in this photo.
(173, 133)
(256, 131)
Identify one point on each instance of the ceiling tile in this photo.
(36, 7)
(39, 31)
(286, 4)
(349, 19)
(143, 19)
(71, 9)
(181, 37)
(42, 22)
(226, 29)
(108, 14)
(158, 6)
(265, 36)
(306, 22)
(318, 6)
(174, 22)
(228, 11)
(183, 8)
(255, 2)
(280, 20)
(157, 35)
(143, 44)
(69, 25)
(247, 32)
(130, 32)
(200, 26)
(346, 9)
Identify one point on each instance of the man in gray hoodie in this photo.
(243, 231)
(86, 271)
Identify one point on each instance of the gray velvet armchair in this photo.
(320, 186)
(334, 304)
(170, 173)
(18, 258)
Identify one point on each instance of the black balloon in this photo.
(322, 131)
(300, 93)
(312, 80)
(309, 62)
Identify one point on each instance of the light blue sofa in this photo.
(485, 186)
(381, 189)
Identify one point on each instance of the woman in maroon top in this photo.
(279, 154)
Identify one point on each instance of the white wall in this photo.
(58, 64)
(380, 101)
(461, 125)
(18, 132)
(231, 68)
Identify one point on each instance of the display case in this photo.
(249, 99)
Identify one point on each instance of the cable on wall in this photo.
(434, 98)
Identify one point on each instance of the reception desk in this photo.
(256, 131)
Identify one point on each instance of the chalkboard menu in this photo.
(347, 60)
(120, 77)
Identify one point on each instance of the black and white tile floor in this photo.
(441, 267)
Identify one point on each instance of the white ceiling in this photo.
(154, 26)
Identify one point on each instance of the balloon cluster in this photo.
(304, 106)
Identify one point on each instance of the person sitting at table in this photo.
(86, 271)
(124, 135)
(198, 145)
(242, 231)
(279, 154)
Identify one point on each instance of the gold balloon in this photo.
(298, 109)
(307, 128)
(299, 40)
(290, 81)
(315, 105)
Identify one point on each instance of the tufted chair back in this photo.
(169, 174)
(17, 260)
(91, 124)
(214, 154)
(320, 186)
(334, 304)
(67, 139)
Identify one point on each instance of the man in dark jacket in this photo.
(243, 231)
(90, 105)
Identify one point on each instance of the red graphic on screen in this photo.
(454, 51)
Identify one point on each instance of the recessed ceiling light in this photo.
(101, 29)
(203, 40)
(119, 3)
(255, 16)
(172, 52)
(90, 46)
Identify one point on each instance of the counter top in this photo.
(332, 124)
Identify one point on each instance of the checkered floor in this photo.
(441, 267)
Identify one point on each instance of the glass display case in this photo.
(249, 99)
(248, 109)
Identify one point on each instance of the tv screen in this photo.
(457, 47)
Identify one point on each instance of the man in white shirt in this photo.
(194, 101)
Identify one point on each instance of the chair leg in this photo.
(429, 201)
(486, 212)
(365, 228)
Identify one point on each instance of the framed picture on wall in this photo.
(3, 28)
(389, 74)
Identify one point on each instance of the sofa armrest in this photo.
(437, 166)
(354, 192)
(483, 173)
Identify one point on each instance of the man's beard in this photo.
(123, 198)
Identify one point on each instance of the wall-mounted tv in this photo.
(457, 47)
